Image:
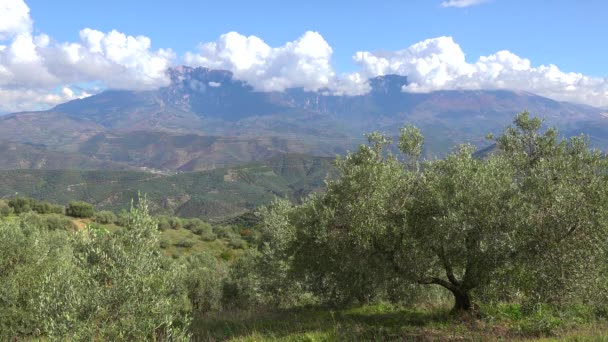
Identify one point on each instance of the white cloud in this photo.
(461, 3)
(17, 100)
(14, 18)
(304, 62)
(34, 65)
(440, 64)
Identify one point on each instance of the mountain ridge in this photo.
(201, 103)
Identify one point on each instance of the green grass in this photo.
(380, 322)
(171, 241)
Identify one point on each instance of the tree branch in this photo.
(438, 281)
(449, 271)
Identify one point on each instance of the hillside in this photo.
(215, 194)
(24, 156)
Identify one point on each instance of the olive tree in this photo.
(456, 222)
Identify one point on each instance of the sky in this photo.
(54, 51)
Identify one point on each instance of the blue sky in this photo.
(570, 34)
(54, 51)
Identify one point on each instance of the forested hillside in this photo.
(214, 194)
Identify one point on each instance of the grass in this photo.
(380, 322)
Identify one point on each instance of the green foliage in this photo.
(89, 285)
(50, 221)
(205, 281)
(42, 207)
(184, 243)
(237, 243)
(24, 205)
(218, 194)
(5, 209)
(80, 209)
(20, 205)
(225, 232)
(105, 217)
(527, 219)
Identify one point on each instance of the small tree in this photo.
(105, 217)
(80, 209)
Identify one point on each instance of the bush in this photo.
(237, 243)
(5, 209)
(184, 243)
(205, 282)
(49, 222)
(122, 219)
(208, 236)
(175, 223)
(80, 209)
(105, 217)
(163, 222)
(46, 207)
(94, 286)
(225, 232)
(58, 222)
(200, 228)
(20, 205)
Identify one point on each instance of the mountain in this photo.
(216, 194)
(206, 118)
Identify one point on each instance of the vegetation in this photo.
(211, 195)
(461, 223)
(80, 209)
(512, 244)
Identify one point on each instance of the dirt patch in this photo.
(81, 223)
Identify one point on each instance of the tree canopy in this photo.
(535, 207)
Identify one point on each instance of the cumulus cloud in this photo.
(14, 18)
(304, 62)
(35, 66)
(440, 64)
(462, 3)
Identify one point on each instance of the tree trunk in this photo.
(462, 301)
(462, 298)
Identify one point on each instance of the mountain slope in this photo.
(23, 156)
(202, 105)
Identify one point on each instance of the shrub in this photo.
(58, 222)
(208, 236)
(94, 286)
(184, 243)
(20, 205)
(105, 217)
(205, 281)
(80, 209)
(237, 243)
(122, 219)
(224, 232)
(163, 222)
(46, 207)
(175, 223)
(5, 209)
